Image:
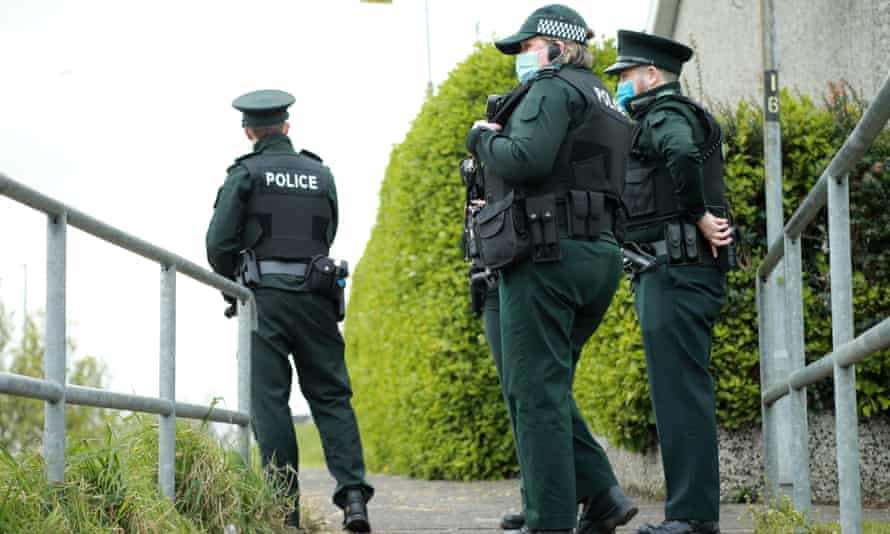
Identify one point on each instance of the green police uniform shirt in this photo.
(224, 236)
(677, 138)
(526, 150)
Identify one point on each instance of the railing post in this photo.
(770, 457)
(54, 358)
(246, 309)
(846, 423)
(167, 382)
(800, 435)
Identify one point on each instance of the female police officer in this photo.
(557, 164)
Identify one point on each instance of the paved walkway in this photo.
(404, 505)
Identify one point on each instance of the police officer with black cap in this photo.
(674, 194)
(554, 170)
(274, 220)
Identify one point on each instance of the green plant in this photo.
(111, 486)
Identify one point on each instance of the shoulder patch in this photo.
(311, 155)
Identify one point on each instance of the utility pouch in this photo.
(500, 233)
(248, 268)
(540, 211)
(690, 238)
(586, 214)
(321, 276)
(674, 241)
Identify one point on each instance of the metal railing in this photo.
(782, 341)
(57, 393)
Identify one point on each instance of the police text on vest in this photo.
(293, 181)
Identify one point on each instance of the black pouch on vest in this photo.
(639, 191)
(674, 241)
(500, 233)
(540, 211)
(579, 211)
(690, 237)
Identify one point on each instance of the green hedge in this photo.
(426, 392)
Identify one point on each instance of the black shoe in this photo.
(355, 513)
(292, 519)
(525, 530)
(608, 510)
(513, 521)
(681, 527)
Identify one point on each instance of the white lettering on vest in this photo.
(292, 181)
(606, 99)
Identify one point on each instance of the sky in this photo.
(123, 110)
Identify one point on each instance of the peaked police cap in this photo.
(555, 20)
(265, 107)
(636, 48)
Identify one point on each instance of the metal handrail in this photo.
(874, 339)
(782, 337)
(54, 390)
(856, 145)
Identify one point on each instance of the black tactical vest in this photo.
(593, 155)
(291, 205)
(649, 189)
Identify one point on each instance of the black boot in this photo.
(681, 527)
(512, 521)
(355, 513)
(292, 519)
(526, 530)
(608, 510)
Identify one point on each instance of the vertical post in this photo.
(167, 381)
(24, 299)
(245, 328)
(429, 60)
(847, 425)
(55, 355)
(800, 435)
(775, 221)
(770, 460)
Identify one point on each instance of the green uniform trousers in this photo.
(677, 308)
(491, 318)
(303, 325)
(548, 312)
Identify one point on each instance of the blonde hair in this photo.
(575, 53)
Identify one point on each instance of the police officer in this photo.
(282, 206)
(677, 210)
(556, 168)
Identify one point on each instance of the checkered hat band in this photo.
(562, 30)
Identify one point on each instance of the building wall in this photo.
(818, 41)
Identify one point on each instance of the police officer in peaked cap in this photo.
(675, 197)
(554, 166)
(274, 220)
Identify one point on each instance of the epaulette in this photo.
(239, 159)
(309, 154)
(546, 72)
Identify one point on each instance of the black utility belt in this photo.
(514, 228)
(683, 244)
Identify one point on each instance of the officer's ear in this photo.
(249, 133)
(285, 127)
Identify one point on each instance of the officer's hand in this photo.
(488, 125)
(716, 230)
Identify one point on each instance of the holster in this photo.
(325, 277)
(540, 212)
(500, 232)
(248, 272)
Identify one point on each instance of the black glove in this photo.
(232, 309)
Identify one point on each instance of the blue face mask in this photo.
(527, 65)
(624, 93)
